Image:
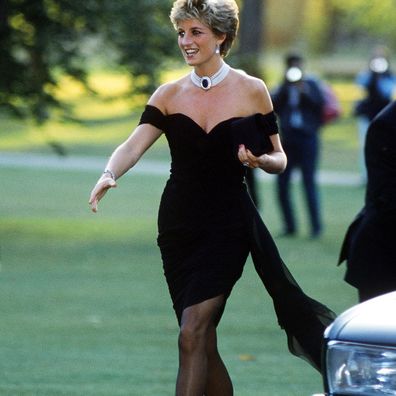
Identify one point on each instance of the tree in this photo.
(40, 39)
(251, 36)
(375, 16)
(142, 33)
(332, 24)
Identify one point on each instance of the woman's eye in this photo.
(196, 32)
(181, 34)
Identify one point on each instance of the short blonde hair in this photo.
(221, 16)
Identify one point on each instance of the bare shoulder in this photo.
(255, 92)
(166, 93)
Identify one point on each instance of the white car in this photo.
(360, 350)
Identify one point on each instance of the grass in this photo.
(85, 309)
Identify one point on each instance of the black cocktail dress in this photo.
(208, 225)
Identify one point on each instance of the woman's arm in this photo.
(275, 161)
(127, 154)
(123, 158)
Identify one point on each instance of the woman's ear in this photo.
(221, 38)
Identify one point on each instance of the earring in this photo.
(217, 49)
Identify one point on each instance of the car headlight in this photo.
(355, 369)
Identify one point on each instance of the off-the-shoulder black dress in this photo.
(208, 225)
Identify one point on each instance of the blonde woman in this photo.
(207, 222)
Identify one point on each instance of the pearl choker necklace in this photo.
(206, 82)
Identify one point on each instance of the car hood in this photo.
(371, 322)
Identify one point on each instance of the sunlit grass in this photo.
(102, 118)
(27, 136)
(104, 83)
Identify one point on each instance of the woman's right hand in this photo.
(100, 190)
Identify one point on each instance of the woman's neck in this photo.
(209, 68)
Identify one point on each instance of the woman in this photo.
(207, 222)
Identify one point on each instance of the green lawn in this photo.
(85, 310)
(84, 306)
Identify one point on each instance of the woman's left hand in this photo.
(249, 160)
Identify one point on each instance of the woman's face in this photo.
(197, 42)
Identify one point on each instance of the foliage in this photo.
(44, 38)
(143, 35)
(317, 27)
(375, 16)
(332, 24)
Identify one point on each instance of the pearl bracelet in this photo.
(110, 172)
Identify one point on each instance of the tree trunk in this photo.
(3, 15)
(251, 36)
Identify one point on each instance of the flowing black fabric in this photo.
(303, 318)
(208, 224)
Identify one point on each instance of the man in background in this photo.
(378, 83)
(298, 102)
(370, 243)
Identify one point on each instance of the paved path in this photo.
(149, 167)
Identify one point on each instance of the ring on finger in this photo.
(245, 163)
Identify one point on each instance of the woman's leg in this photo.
(198, 354)
(219, 381)
(309, 166)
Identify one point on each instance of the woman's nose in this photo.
(186, 40)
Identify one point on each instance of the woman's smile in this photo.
(191, 52)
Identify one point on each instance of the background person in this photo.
(207, 221)
(378, 83)
(298, 102)
(369, 246)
